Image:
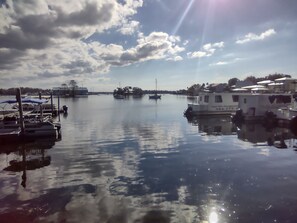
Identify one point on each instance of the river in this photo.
(141, 161)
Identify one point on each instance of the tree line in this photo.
(25, 90)
(232, 81)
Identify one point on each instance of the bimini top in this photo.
(25, 100)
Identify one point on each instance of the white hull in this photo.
(212, 110)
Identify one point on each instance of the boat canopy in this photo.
(25, 100)
(253, 86)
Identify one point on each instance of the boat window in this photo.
(244, 100)
(218, 99)
(200, 98)
(206, 98)
(235, 98)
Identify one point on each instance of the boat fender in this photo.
(293, 125)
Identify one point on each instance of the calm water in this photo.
(141, 161)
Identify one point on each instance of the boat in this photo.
(155, 96)
(262, 107)
(68, 91)
(214, 103)
(9, 135)
(46, 108)
(119, 96)
(31, 125)
(34, 126)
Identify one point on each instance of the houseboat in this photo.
(66, 91)
(213, 103)
(257, 107)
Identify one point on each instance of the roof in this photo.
(275, 84)
(265, 82)
(253, 86)
(286, 79)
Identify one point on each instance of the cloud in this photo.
(129, 28)
(45, 38)
(157, 45)
(207, 50)
(220, 63)
(253, 37)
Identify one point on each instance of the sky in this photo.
(105, 44)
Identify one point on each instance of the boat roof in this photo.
(25, 100)
(253, 86)
(285, 79)
(275, 84)
(260, 89)
(265, 82)
(239, 89)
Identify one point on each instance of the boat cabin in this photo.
(255, 106)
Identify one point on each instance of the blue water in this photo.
(140, 160)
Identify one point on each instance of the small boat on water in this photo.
(119, 96)
(155, 96)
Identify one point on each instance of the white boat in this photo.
(213, 103)
(34, 125)
(255, 107)
(41, 128)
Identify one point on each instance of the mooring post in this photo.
(59, 104)
(41, 112)
(52, 105)
(19, 100)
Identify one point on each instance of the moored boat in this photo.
(155, 96)
(213, 103)
(263, 107)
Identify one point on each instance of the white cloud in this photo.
(207, 50)
(254, 37)
(220, 63)
(44, 38)
(129, 28)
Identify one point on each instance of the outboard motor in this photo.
(65, 109)
(238, 118)
(188, 112)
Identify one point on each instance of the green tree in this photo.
(252, 79)
(232, 81)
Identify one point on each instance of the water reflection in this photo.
(262, 136)
(120, 162)
(27, 156)
(213, 125)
